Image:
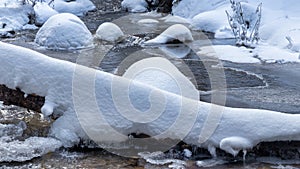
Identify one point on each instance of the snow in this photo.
(148, 21)
(26, 150)
(135, 5)
(280, 22)
(67, 90)
(13, 18)
(174, 32)
(109, 31)
(175, 19)
(229, 53)
(78, 7)
(43, 12)
(63, 32)
(262, 53)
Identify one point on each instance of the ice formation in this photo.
(63, 32)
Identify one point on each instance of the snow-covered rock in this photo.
(64, 31)
(13, 18)
(109, 31)
(174, 32)
(77, 7)
(71, 90)
(43, 12)
(135, 5)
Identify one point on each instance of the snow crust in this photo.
(109, 31)
(135, 5)
(174, 32)
(63, 32)
(238, 129)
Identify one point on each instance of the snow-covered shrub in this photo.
(109, 32)
(245, 22)
(64, 31)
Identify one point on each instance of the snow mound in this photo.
(109, 32)
(135, 5)
(26, 150)
(229, 53)
(77, 7)
(13, 19)
(174, 32)
(64, 31)
(174, 19)
(43, 12)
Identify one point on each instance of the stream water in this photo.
(268, 86)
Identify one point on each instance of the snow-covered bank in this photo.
(280, 21)
(67, 91)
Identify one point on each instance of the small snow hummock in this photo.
(109, 32)
(63, 32)
(78, 7)
(43, 12)
(135, 5)
(174, 32)
(148, 21)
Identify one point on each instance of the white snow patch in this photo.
(78, 7)
(43, 12)
(14, 18)
(109, 31)
(174, 51)
(56, 80)
(174, 32)
(271, 54)
(64, 31)
(148, 21)
(26, 150)
(135, 5)
(175, 19)
(229, 53)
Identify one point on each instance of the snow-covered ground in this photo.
(66, 87)
(279, 20)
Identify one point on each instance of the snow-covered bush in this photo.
(64, 31)
(109, 32)
(244, 22)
